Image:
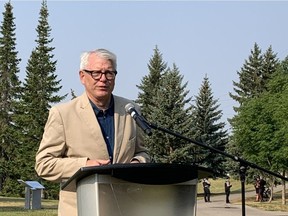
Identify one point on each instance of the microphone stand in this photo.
(243, 164)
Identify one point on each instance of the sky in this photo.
(203, 38)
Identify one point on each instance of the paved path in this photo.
(218, 207)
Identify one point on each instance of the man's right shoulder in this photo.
(79, 101)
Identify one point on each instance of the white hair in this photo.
(103, 53)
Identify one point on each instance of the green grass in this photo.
(217, 186)
(15, 207)
(275, 205)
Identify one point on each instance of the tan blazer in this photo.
(72, 135)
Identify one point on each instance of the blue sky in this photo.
(210, 38)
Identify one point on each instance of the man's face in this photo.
(98, 89)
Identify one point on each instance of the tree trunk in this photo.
(272, 191)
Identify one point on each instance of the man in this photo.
(227, 187)
(206, 188)
(257, 188)
(90, 130)
(262, 184)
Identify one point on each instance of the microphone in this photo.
(130, 109)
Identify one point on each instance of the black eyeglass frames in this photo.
(110, 75)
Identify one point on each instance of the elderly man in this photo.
(90, 130)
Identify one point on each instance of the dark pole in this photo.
(242, 173)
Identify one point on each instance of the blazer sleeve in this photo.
(141, 152)
(51, 163)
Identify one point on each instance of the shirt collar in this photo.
(110, 109)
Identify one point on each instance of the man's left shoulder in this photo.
(122, 101)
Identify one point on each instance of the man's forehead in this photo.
(94, 59)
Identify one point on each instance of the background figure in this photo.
(257, 188)
(206, 188)
(262, 184)
(227, 186)
(90, 130)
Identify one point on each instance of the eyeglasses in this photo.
(96, 75)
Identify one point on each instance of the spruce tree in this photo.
(73, 95)
(257, 71)
(208, 129)
(150, 83)
(250, 77)
(40, 92)
(9, 92)
(254, 75)
(170, 112)
(270, 65)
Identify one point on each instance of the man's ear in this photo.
(81, 76)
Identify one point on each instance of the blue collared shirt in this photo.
(106, 122)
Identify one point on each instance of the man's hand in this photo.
(97, 162)
(135, 161)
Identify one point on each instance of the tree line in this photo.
(259, 126)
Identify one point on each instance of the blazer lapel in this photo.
(119, 121)
(89, 118)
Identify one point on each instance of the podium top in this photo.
(34, 185)
(142, 173)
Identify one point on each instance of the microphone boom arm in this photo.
(235, 158)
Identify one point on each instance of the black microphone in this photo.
(130, 109)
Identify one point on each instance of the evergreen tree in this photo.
(247, 87)
(40, 92)
(169, 112)
(73, 95)
(9, 92)
(270, 65)
(253, 79)
(254, 74)
(150, 83)
(207, 128)
(250, 81)
(232, 167)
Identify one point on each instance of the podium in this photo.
(149, 189)
(33, 192)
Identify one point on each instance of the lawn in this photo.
(15, 207)
(275, 205)
(217, 186)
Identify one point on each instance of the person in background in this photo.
(227, 186)
(257, 188)
(206, 188)
(262, 184)
(91, 130)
